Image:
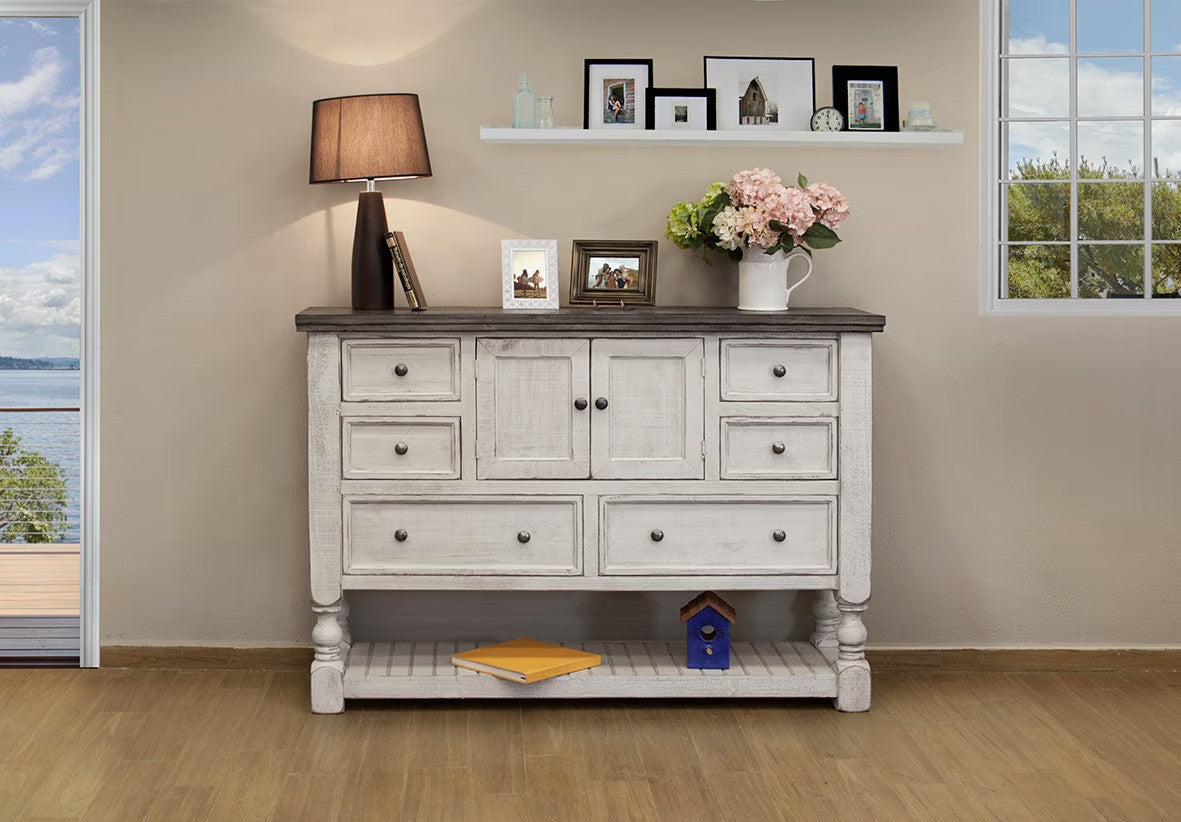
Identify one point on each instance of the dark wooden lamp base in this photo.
(373, 270)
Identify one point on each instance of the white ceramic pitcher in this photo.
(762, 279)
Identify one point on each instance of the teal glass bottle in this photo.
(525, 105)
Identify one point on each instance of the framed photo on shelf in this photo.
(614, 92)
(691, 109)
(610, 272)
(867, 96)
(763, 92)
(529, 273)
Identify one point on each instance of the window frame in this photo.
(87, 13)
(992, 166)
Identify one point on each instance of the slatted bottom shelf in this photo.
(423, 670)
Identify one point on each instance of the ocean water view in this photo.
(55, 434)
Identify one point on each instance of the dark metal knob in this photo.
(400, 369)
(657, 535)
(779, 371)
(777, 447)
(778, 535)
(401, 448)
(400, 535)
(580, 404)
(523, 537)
(601, 403)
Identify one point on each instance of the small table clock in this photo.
(827, 119)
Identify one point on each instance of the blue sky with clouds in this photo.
(1109, 86)
(39, 194)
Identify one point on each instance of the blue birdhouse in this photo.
(707, 619)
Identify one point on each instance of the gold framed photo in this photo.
(610, 272)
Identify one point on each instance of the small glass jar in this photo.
(545, 113)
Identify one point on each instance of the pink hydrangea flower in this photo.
(794, 209)
(831, 205)
(754, 186)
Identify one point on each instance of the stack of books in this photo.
(404, 268)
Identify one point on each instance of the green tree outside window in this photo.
(32, 494)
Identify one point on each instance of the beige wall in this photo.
(1027, 470)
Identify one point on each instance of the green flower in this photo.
(689, 222)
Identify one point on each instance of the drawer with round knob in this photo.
(463, 535)
(400, 370)
(779, 370)
(717, 535)
(779, 448)
(400, 448)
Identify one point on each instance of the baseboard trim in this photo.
(193, 657)
(1024, 660)
(1040, 660)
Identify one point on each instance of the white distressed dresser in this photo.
(673, 449)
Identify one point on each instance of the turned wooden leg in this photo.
(852, 667)
(328, 664)
(343, 619)
(824, 609)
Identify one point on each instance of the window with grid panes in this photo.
(1089, 137)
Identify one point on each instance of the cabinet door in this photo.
(532, 417)
(648, 409)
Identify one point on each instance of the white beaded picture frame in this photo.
(529, 274)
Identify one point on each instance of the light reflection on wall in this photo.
(362, 32)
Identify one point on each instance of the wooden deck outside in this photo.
(39, 601)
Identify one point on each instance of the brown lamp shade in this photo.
(368, 137)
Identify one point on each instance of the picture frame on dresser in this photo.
(529, 274)
(613, 272)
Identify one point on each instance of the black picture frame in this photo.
(586, 75)
(583, 293)
(810, 61)
(886, 75)
(708, 94)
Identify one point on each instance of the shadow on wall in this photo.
(555, 616)
(480, 193)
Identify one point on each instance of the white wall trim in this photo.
(87, 12)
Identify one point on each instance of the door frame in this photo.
(87, 12)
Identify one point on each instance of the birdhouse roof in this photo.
(707, 600)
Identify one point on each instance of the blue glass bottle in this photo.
(525, 105)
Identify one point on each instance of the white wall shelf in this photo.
(669, 137)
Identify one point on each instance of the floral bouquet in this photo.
(756, 210)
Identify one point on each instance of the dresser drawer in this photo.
(417, 370)
(720, 536)
(400, 448)
(779, 371)
(779, 448)
(484, 535)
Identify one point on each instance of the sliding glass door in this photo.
(46, 294)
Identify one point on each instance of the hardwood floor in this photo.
(179, 744)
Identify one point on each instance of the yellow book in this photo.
(525, 660)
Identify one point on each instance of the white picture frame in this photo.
(526, 268)
(785, 86)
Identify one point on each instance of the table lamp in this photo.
(365, 138)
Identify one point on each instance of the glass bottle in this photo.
(545, 112)
(525, 105)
